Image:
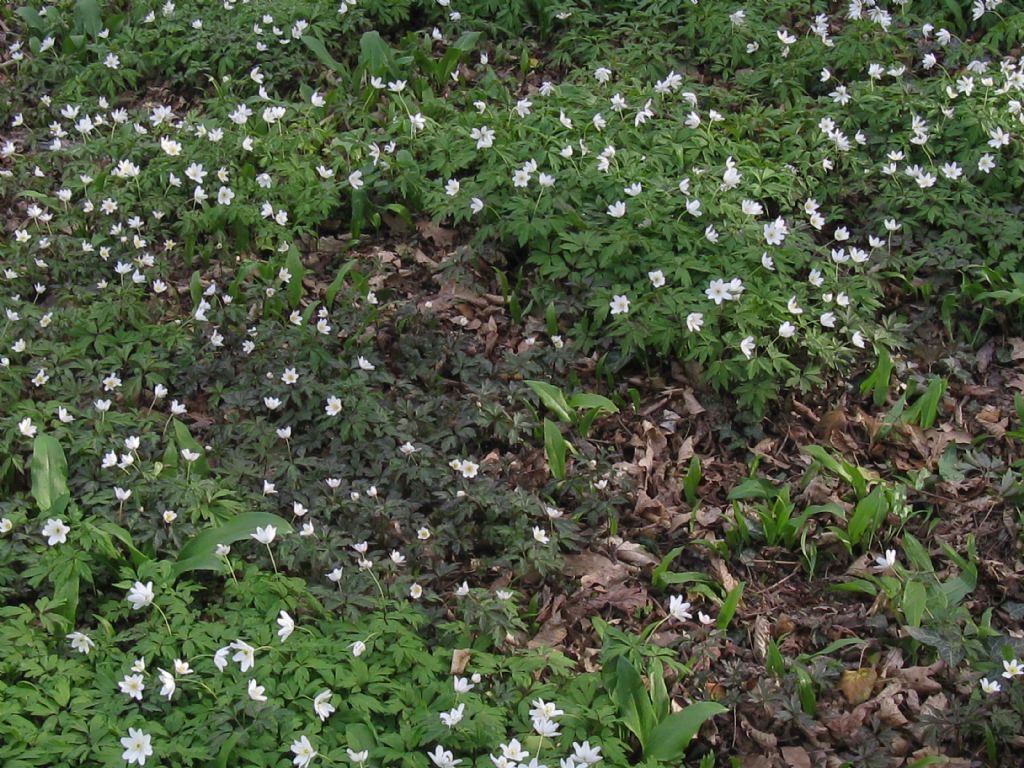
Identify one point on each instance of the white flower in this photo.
(986, 163)
(453, 717)
(322, 705)
(286, 624)
(167, 683)
(483, 136)
(619, 305)
(694, 322)
(476, 205)
(990, 686)
(887, 561)
(540, 535)
(333, 407)
(133, 686)
(617, 209)
(137, 746)
(358, 757)
(416, 591)
(26, 427)
(304, 752)
(264, 535)
(657, 278)
(81, 642)
(56, 531)
(443, 758)
(586, 754)
(355, 179)
(462, 685)
(718, 291)
(141, 595)
(256, 691)
(365, 364)
(678, 608)
(747, 346)
(358, 648)
(1012, 668)
(245, 655)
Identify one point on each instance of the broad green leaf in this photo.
(670, 738)
(915, 598)
(315, 44)
(116, 531)
(294, 264)
(728, 609)
(631, 697)
(88, 17)
(49, 475)
(195, 288)
(692, 481)
(339, 280)
(595, 402)
(553, 398)
(199, 553)
(374, 54)
(185, 440)
(554, 448)
(226, 748)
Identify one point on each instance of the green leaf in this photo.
(198, 554)
(88, 17)
(294, 264)
(631, 697)
(692, 481)
(553, 398)
(915, 598)
(49, 475)
(592, 402)
(185, 440)
(669, 740)
(31, 17)
(195, 288)
(226, 748)
(315, 44)
(554, 448)
(728, 610)
(867, 514)
(116, 531)
(374, 54)
(339, 280)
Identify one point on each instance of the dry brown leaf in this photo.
(796, 757)
(722, 572)
(1016, 349)
(635, 554)
(762, 633)
(763, 739)
(592, 568)
(889, 712)
(460, 658)
(857, 684)
(441, 237)
(693, 407)
(919, 679)
(708, 516)
(551, 633)
(685, 452)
